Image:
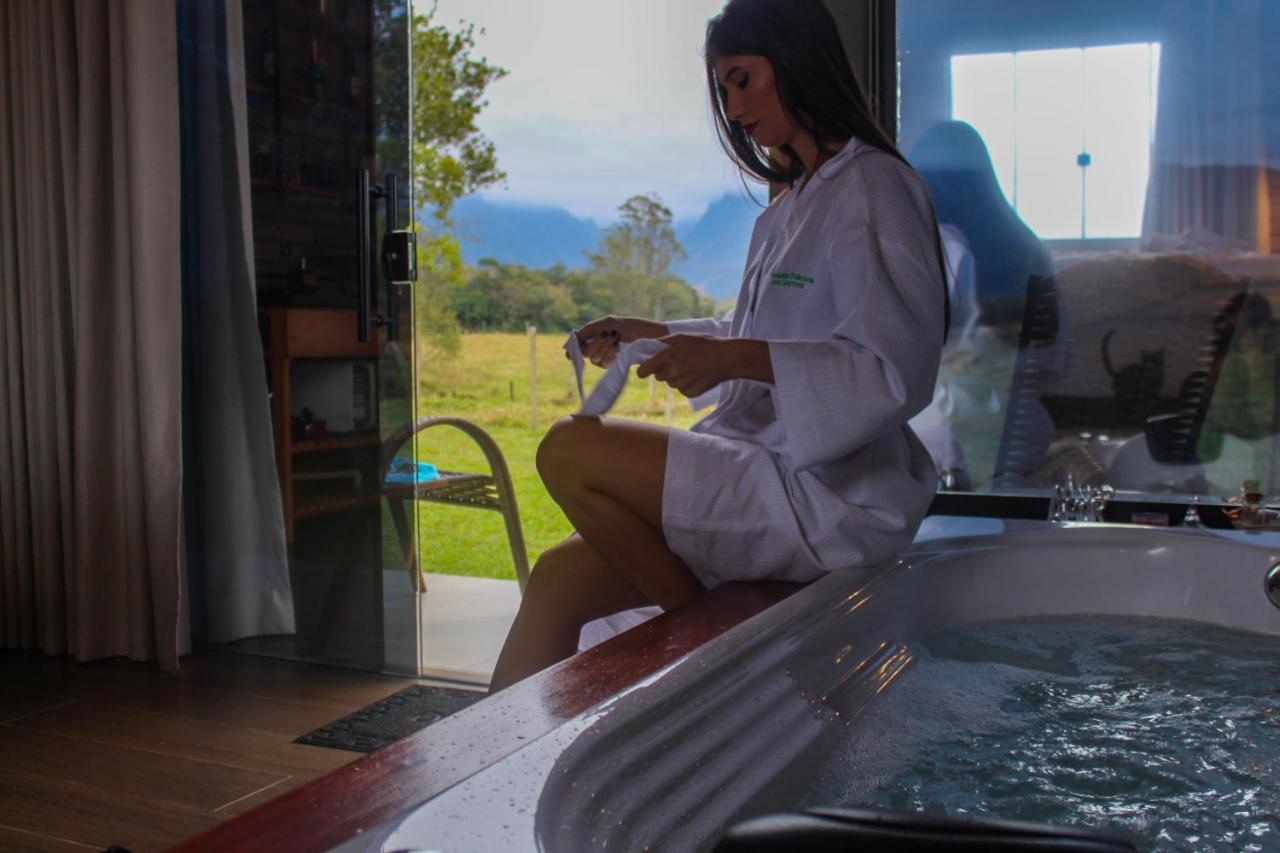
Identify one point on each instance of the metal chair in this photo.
(481, 491)
(1027, 429)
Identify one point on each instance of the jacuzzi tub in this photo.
(733, 729)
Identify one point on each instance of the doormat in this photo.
(387, 720)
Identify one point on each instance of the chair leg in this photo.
(407, 544)
(515, 537)
(510, 516)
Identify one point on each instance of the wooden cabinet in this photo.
(290, 335)
(311, 130)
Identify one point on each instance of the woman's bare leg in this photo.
(570, 585)
(607, 475)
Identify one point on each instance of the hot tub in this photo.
(741, 726)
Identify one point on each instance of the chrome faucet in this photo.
(1192, 517)
(1072, 502)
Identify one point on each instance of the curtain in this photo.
(1216, 138)
(90, 472)
(237, 560)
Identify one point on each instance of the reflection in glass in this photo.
(1120, 84)
(992, 253)
(1126, 282)
(983, 95)
(1069, 132)
(1049, 123)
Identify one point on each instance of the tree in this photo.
(509, 297)
(636, 256)
(451, 158)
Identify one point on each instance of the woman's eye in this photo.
(742, 82)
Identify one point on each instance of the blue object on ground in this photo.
(405, 471)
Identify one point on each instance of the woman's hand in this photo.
(600, 338)
(694, 364)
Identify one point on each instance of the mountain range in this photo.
(541, 237)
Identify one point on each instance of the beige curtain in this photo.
(90, 476)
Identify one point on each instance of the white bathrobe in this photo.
(819, 470)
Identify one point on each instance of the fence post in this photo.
(533, 377)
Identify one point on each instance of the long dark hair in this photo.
(815, 82)
(816, 86)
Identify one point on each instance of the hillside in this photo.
(537, 237)
(717, 245)
(540, 237)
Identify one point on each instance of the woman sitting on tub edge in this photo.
(807, 463)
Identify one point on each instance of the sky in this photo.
(605, 99)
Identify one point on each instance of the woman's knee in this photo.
(559, 452)
(551, 567)
(558, 582)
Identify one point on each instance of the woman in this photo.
(806, 464)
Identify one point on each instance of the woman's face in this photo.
(750, 97)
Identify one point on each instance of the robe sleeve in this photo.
(702, 326)
(878, 368)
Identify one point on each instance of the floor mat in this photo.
(387, 720)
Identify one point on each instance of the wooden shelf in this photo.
(301, 189)
(300, 98)
(296, 13)
(301, 12)
(315, 333)
(322, 192)
(313, 505)
(293, 333)
(306, 153)
(337, 442)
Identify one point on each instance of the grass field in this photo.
(488, 383)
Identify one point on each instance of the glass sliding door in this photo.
(320, 91)
(390, 266)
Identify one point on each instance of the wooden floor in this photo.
(118, 753)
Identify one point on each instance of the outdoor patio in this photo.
(464, 621)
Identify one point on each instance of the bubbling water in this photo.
(1164, 732)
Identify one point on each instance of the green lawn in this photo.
(479, 384)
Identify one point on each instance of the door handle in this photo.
(363, 256)
(398, 255)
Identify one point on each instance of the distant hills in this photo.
(717, 244)
(541, 237)
(537, 237)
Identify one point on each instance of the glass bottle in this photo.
(302, 279)
(315, 72)
(262, 165)
(1251, 503)
(267, 55)
(355, 80)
